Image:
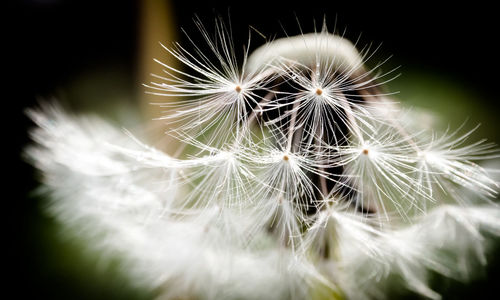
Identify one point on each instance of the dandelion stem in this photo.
(322, 179)
(261, 106)
(291, 127)
(255, 112)
(350, 116)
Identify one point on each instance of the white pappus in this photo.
(299, 180)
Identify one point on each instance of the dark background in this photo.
(50, 42)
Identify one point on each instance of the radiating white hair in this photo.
(305, 179)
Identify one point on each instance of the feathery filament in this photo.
(297, 172)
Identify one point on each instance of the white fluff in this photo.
(284, 208)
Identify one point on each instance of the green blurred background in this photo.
(94, 55)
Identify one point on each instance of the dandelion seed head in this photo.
(296, 172)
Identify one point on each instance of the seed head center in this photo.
(319, 91)
(285, 157)
(237, 89)
(365, 151)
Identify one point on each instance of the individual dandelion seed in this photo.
(300, 177)
(448, 157)
(379, 168)
(220, 93)
(330, 92)
(284, 191)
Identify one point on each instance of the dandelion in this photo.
(447, 157)
(299, 178)
(218, 91)
(380, 167)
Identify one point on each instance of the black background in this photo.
(48, 42)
